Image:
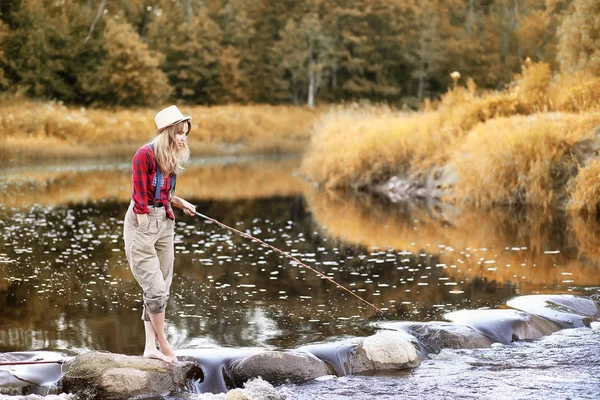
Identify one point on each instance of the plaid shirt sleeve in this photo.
(142, 171)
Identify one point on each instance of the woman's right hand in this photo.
(142, 219)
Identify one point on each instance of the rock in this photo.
(435, 336)
(109, 376)
(336, 354)
(278, 367)
(384, 351)
(567, 311)
(504, 326)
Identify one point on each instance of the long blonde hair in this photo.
(168, 156)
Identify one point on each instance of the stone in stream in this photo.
(435, 336)
(97, 375)
(278, 367)
(385, 351)
(504, 326)
(567, 311)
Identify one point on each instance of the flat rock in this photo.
(436, 335)
(567, 311)
(111, 376)
(504, 326)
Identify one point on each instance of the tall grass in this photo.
(521, 159)
(510, 146)
(34, 130)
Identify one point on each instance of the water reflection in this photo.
(65, 283)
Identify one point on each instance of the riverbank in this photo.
(533, 143)
(41, 131)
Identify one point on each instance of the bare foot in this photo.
(168, 352)
(155, 354)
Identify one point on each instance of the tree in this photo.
(4, 33)
(579, 38)
(305, 51)
(191, 51)
(45, 53)
(130, 73)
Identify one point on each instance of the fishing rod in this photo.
(10, 363)
(246, 235)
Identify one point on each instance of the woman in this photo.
(149, 223)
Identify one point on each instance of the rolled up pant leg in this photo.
(150, 253)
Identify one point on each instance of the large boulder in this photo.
(504, 326)
(435, 336)
(109, 376)
(278, 367)
(385, 351)
(565, 310)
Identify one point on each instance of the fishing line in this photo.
(248, 236)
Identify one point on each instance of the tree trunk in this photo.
(187, 5)
(95, 21)
(516, 29)
(421, 87)
(469, 18)
(311, 75)
(504, 39)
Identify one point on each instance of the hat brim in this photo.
(188, 118)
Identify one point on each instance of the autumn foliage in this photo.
(140, 52)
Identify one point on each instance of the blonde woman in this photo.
(149, 223)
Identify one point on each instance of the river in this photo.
(65, 286)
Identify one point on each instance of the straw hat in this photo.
(169, 116)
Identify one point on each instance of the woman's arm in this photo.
(187, 207)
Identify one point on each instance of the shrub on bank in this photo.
(500, 155)
(521, 159)
(585, 194)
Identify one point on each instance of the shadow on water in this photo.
(66, 285)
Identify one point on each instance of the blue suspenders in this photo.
(158, 181)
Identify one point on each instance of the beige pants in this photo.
(150, 253)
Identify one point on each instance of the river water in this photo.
(65, 286)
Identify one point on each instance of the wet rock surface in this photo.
(435, 336)
(385, 351)
(97, 375)
(565, 310)
(278, 367)
(504, 326)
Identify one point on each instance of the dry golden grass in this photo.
(585, 193)
(509, 146)
(32, 130)
(521, 159)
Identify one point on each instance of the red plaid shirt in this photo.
(143, 171)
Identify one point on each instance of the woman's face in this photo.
(181, 135)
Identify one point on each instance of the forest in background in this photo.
(144, 52)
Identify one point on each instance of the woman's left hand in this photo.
(188, 207)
